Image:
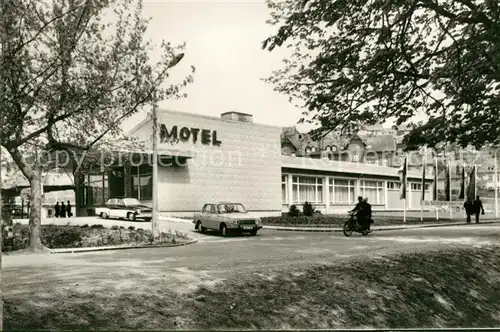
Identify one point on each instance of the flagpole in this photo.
(449, 181)
(475, 180)
(496, 183)
(436, 185)
(406, 185)
(424, 161)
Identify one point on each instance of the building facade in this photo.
(230, 158)
(204, 159)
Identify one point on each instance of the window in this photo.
(393, 185)
(142, 182)
(373, 190)
(308, 189)
(341, 191)
(96, 189)
(427, 187)
(284, 189)
(416, 186)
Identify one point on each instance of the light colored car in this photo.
(124, 208)
(226, 218)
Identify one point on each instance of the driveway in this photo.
(215, 258)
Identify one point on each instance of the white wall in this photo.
(245, 168)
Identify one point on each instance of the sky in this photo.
(223, 42)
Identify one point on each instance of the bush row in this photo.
(54, 236)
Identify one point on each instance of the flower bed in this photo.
(54, 237)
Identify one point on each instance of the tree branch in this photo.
(45, 25)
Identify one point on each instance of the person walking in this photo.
(57, 210)
(68, 209)
(63, 210)
(478, 208)
(469, 209)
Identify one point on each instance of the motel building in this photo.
(209, 159)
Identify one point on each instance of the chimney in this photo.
(237, 116)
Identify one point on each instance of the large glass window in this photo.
(341, 191)
(96, 192)
(284, 191)
(374, 191)
(142, 182)
(308, 189)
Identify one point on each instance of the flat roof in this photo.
(326, 165)
(198, 116)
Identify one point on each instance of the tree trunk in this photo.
(79, 182)
(35, 222)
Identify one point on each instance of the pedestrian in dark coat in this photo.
(57, 210)
(63, 210)
(68, 209)
(469, 209)
(478, 208)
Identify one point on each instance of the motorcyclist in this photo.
(367, 208)
(359, 211)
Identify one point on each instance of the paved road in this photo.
(215, 258)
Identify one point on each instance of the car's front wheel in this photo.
(253, 232)
(199, 227)
(223, 230)
(131, 216)
(104, 215)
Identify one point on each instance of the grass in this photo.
(453, 288)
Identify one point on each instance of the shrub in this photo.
(85, 226)
(121, 227)
(61, 237)
(98, 226)
(293, 211)
(308, 209)
(115, 228)
(131, 228)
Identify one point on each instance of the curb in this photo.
(79, 250)
(332, 230)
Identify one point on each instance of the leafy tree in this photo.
(70, 72)
(366, 61)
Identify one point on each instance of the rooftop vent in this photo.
(237, 116)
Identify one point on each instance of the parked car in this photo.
(124, 208)
(226, 218)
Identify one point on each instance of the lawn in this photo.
(454, 288)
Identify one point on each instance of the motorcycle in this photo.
(351, 225)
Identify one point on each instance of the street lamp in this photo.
(154, 215)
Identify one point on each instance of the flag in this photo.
(402, 179)
(436, 181)
(423, 181)
(462, 184)
(471, 190)
(448, 183)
